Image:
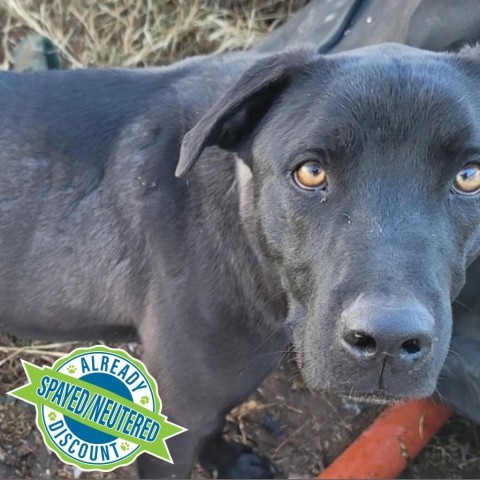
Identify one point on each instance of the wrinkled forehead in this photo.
(398, 93)
(369, 98)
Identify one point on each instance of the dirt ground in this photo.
(299, 431)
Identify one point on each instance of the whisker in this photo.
(275, 295)
(462, 304)
(269, 337)
(453, 352)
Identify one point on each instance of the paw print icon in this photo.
(71, 369)
(144, 400)
(52, 416)
(125, 446)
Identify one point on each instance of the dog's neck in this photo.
(220, 192)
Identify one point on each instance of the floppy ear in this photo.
(241, 108)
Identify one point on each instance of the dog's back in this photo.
(84, 154)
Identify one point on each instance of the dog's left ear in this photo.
(242, 107)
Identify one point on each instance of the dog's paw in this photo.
(247, 464)
(235, 460)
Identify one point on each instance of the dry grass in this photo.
(140, 32)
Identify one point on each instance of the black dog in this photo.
(344, 221)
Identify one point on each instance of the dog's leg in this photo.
(221, 458)
(202, 376)
(183, 449)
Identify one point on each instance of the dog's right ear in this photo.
(242, 107)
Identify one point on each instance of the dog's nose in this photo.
(375, 330)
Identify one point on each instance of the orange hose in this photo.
(394, 438)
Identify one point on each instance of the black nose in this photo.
(374, 330)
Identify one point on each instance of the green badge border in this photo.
(129, 459)
(108, 467)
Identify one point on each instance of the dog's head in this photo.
(364, 177)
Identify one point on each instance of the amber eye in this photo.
(310, 175)
(467, 181)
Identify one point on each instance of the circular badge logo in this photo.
(98, 408)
